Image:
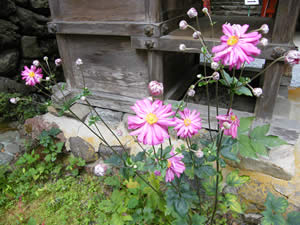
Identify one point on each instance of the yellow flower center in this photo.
(169, 163)
(31, 74)
(233, 118)
(232, 40)
(151, 118)
(187, 122)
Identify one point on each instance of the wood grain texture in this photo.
(285, 21)
(109, 65)
(98, 10)
(271, 81)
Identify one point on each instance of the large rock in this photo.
(10, 146)
(8, 35)
(111, 118)
(81, 148)
(9, 62)
(30, 47)
(7, 7)
(32, 24)
(280, 163)
(39, 4)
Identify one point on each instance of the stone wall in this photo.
(233, 8)
(24, 36)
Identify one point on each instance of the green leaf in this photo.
(245, 125)
(112, 181)
(259, 148)
(274, 204)
(31, 221)
(181, 206)
(132, 203)
(293, 218)
(198, 220)
(233, 179)
(232, 201)
(59, 146)
(243, 91)
(210, 186)
(227, 79)
(272, 219)
(244, 147)
(205, 171)
(227, 150)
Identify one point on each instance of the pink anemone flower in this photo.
(32, 75)
(232, 123)
(236, 46)
(175, 166)
(151, 121)
(189, 124)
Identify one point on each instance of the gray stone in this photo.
(38, 4)
(286, 190)
(105, 152)
(31, 23)
(30, 47)
(252, 218)
(5, 158)
(49, 46)
(7, 7)
(9, 137)
(111, 118)
(11, 86)
(9, 62)
(80, 110)
(83, 149)
(12, 148)
(280, 163)
(8, 35)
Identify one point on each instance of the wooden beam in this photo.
(271, 81)
(285, 21)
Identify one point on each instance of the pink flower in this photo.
(183, 25)
(151, 121)
(157, 173)
(175, 166)
(156, 88)
(293, 57)
(257, 92)
(236, 46)
(58, 62)
(232, 123)
(100, 169)
(192, 13)
(32, 75)
(189, 124)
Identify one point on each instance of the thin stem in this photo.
(217, 100)
(208, 103)
(150, 185)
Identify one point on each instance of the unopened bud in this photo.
(214, 65)
(45, 58)
(257, 92)
(156, 88)
(58, 62)
(191, 92)
(199, 153)
(183, 25)
(192, 13)
(47, 78)
(82, 98)
(100, 170)
(199, 76)
(182, 47)
(216, 76)
(196, 34)
(205, 10)
(264, 41)
(13, 100)
(79, 62)
(265, 28)
(36, 63)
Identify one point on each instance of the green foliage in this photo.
(234, 180)
(24, 109)
(75, 164)
(275, 208)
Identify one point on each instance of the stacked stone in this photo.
(233, 8)
(24, 35)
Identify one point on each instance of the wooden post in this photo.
(283, 32)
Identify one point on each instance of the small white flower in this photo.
(199, 76)
(199, 153)
(214, 65)
(191, 92)
(45, 58)
(182, 47)
(196, 34)
(226, 125)
(83, 98)
(264, 41)
(100, 170)
(58, 62)
(205, 10)
(36, 63)
(183, 25)
(216, 76)
(79, 62)
(13, 100)
(192, 13)
(265, 28)
(135, 166)
(47, 78)
(257, 92)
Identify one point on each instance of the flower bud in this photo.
(264, 41)
(47, 78)
(216, 76)
(58, 62)
(191, 92)
(205, 10)
(257, 92)
(214, 65)
(79, 62)
(182, 47)
(183, 25)
(13, 100)
(45, 58)
(192, 86)
(82, 98)
(226, 125)
(36, 63)
(157, 173)
(196, 34)
(100, 169)
(192, 13)
(156, 88)
(199, 154)
(265, 28)
(199, 76)
(293, 57)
